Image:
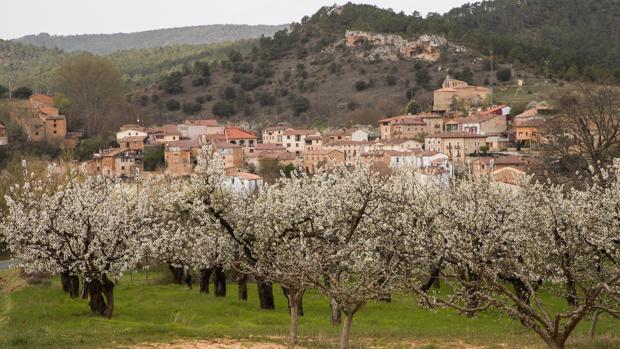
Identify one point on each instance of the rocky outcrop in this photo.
(394, 47)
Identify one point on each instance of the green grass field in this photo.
(41, 316)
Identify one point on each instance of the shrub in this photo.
(230, 93)
(244, 68)
(202, 68)
(391, 80)
(360, 85)
(22, 92)
(155, 98)
(200, 99)
(504, 74)
(197, 82)
(266, 98)
(173, 83)
(300, 105)
(191, 108)
(153, 158)
(224, 108)
(144, 100)
(173, 105)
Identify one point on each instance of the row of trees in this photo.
(353, 234)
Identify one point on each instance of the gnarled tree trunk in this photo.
(205, 276)
(265, 294)
(242, 282)
(108, 291)
(220, 282)
(346, 330)
(70, 284)
(177, 274)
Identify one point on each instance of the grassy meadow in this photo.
(154, 311)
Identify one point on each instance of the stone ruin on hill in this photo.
(393, 47)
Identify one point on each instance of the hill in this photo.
(317, 75)
(109, 43)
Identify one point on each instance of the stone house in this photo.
(348, 135)
(527, 132)
(315, 159)
(457, 145)
(454, 92)
(483, 124)
(488, 165)
(132, 142)
(294, 140)
(193, 129)
(351, 149)
(246, 139)
(410, 126)
(116, 162)
(273, 135)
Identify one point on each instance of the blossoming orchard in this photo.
(349, 232)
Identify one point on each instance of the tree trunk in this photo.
(242, 282)
(294, 298)
(97, 302)
(593, 325)
(335, 317)
(433, 280)
(187, 278)
(346, 330)
(571, 291)
(220, 282)
(177, 274)
(265, 294)
(108, 291)
(205, 275)
(64, 281)
(300, 304)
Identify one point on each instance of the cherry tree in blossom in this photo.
(85, 227)
(501, 246)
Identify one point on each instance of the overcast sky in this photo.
(63, 17)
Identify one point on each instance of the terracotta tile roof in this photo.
(211, 138)
(474, 119)
(171, 130)
(268, 146)
(222, 144)
(504, 160)
(184, 145)
(132, 128)
(529, 123)
(232, 132)
(202, 122)
(42, 99)
(458, 134)
(295, 132)
(314, 138)
(508, 175)
(246, 175)
(284, 156)
(321, 151)
(337, 142)
(275, 128)
(493, 109)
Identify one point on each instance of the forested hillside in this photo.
(109, 43)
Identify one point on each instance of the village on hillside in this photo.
(439, 144)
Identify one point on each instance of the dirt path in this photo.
(212, 344)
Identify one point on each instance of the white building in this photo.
(244, 182)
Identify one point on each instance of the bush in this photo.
(423, 77)
(266, 98)
(360, 85)
(224, 108)
(22, 92)
(144, 100)
(191, 108)
(173, 83)
(249, 83)
(200, 99)
(465, 75)
(234, 56)
(173, 105)
(202, 68)
(391, 80)
(87, 147)
(244, 68)
(230, 93)
(155, 98)
(197, 82)
(153, 158)
(299, 105)
(504, 74)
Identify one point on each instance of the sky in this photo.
(66, 17)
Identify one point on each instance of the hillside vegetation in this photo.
(109, 43)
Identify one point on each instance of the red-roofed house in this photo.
(244, 182)
(410, 126)
(246, 139)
